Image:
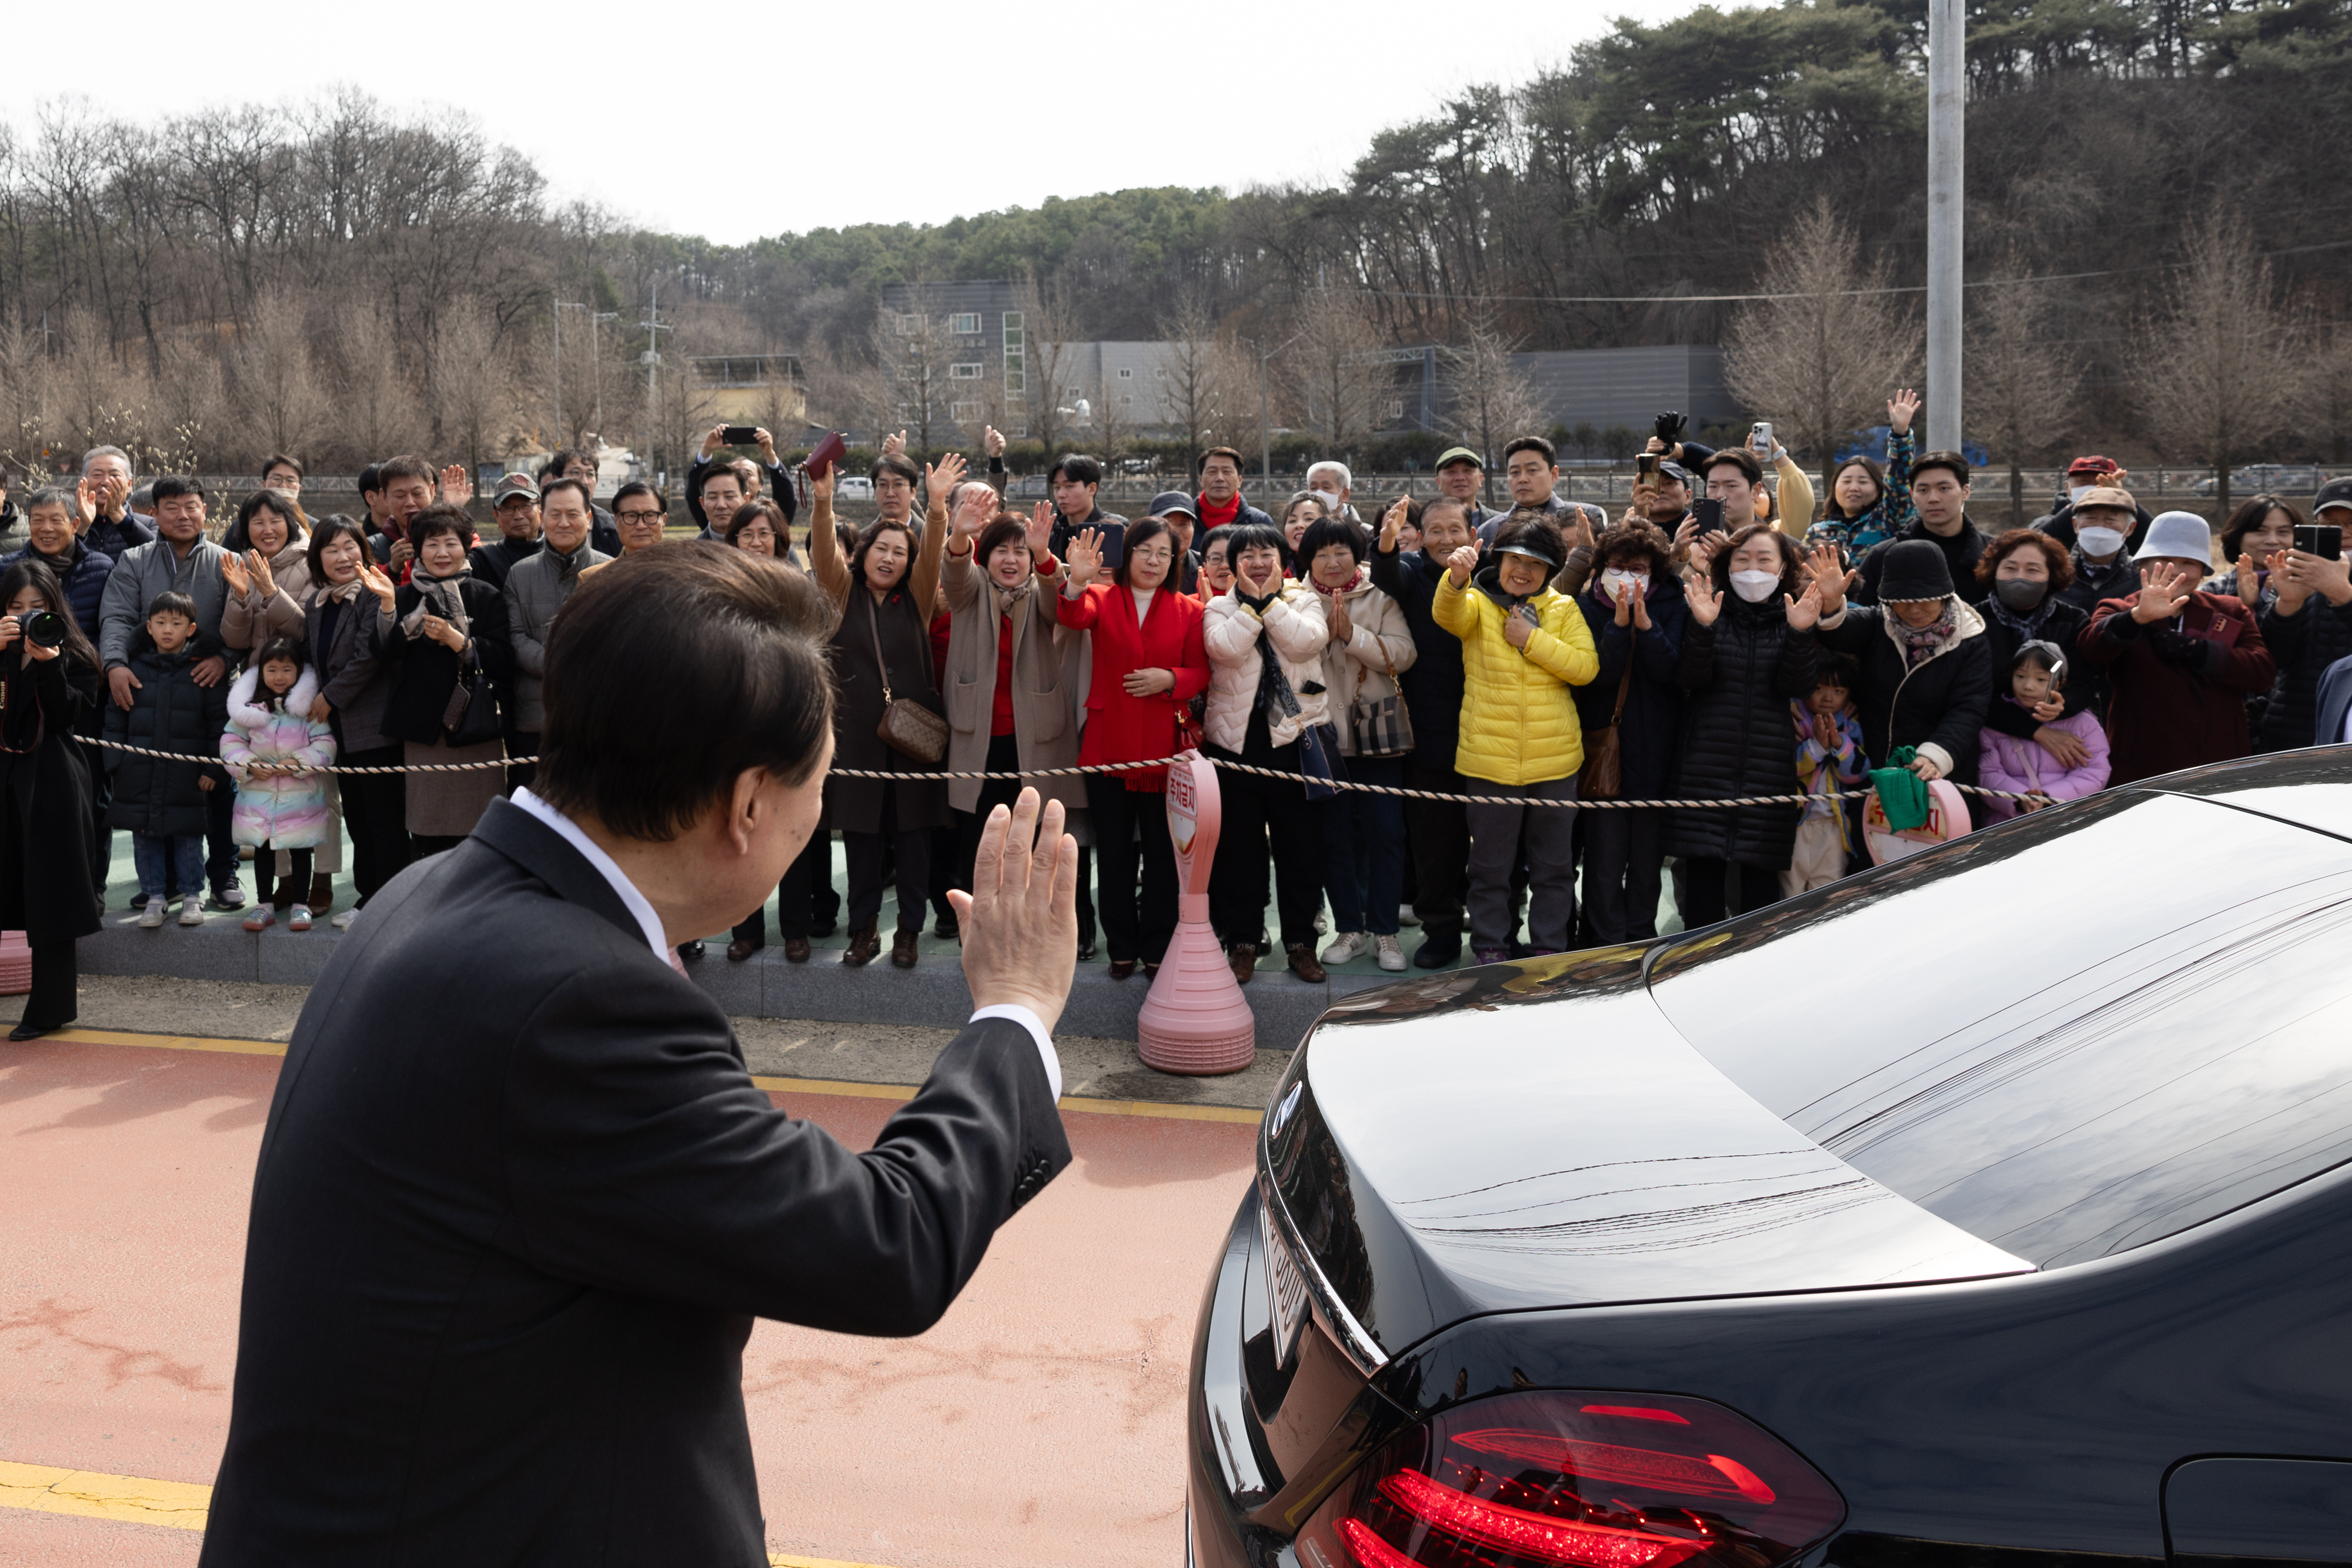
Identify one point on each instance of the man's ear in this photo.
(743, 809)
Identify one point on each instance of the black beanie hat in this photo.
(1915, 570)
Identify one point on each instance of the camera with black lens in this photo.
(44, 629)
(1670, 428)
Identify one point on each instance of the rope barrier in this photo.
(942, 776)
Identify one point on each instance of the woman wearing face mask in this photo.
(885, 588)
(1868, 506)
(266, 567)
(1524, 645)
(1264, 642)
(1748, 648)
(2020, 577)
(444, 624)
(1150, 662)
(1634, 607)
(48, 695)
(342, 629)
(1926, 665)
(1363, 834)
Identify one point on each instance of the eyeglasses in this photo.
(638, 517)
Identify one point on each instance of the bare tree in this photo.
(472, 384)
(100, 399)
(277, 394)
(2025, 387)
(1050, 338)
(1821, 355)
(2218, 367)
(377, 412)
(1116, 416)
(849, 391)
(1493, 401)
(915, 350)
(1336, 379)
(24, 397)
(2330, 388)
(1207, 384)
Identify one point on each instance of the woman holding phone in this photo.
(48, 679)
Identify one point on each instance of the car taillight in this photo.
(1577, 1480)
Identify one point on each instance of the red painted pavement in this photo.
(1040, 1423)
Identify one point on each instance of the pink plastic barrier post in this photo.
(1195, 1020)
(15, 964)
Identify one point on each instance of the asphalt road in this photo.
(1041, 1422)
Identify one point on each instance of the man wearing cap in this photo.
(2182, 661)
(1462, 476)
(515, 504)
(1175, 508)
(2083, 475)
(1219, 502)
(2103, 519)
(2306, 625)
(1939, 496)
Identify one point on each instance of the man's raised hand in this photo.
(1019, 923)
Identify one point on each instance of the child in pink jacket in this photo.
(2037, 680)
(270, 734)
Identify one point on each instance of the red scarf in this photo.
(1213, 516)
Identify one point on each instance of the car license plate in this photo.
(1285, 1288)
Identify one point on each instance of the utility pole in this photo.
(555, 310)
(596, 365)
(651, 359)
(1264, 431)
(1948, 86)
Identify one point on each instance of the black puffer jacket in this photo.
(1962, 550)
(1940, 705)
(1432, 682)
(2305, 643)
(169, 712)
(1654, 701)
(1740, 673)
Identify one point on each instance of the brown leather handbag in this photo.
(1603, 778)
(908, 726)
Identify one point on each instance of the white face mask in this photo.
(1615, 579)
(1755, 587)
(2099, 543)
(1330, 499)
(2076, 492)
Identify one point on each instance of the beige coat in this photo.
(1295, 624)
(1360, 667)
(248, 620)
(1042, 722)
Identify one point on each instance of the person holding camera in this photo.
(2308, 621)
(81, 572)
(774, 482)
(49, 695)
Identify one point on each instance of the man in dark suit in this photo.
(2334, 705)
(519, 1200)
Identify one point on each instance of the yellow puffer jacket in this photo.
(1518, 721)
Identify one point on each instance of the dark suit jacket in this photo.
(2335, 697)
(517, 1207)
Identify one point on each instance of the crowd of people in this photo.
(1724, 637)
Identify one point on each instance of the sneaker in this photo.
(1406, 916)
(150, 914)
(262, 919)
(1390, 956)
(229, 894)
(343, 922)
(1347, 946)
(1489, 955)
(299, 920)
(192, 910)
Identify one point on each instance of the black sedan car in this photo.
(1991, 1208)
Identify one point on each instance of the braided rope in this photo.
(942, 776)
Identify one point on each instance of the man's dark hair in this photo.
(173, 485)
(672, 671)
(440, 519)
(1325, 531)
(1141, 532)
(402, 467)
(282, 460)
(1218, 451)
(717, 471)
(370, 479)
(170, 602)
(636, 487)
(1952, 462)
(903, 466)
(1077, 468)
(587, 496)
(1738, 457)
(561, 458)
(326, 531)
(1532, 444)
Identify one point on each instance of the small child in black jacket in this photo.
(162, 803)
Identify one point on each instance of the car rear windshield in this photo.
(2073, 1035)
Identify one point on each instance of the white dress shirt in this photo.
(650, 922)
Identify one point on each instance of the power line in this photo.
(1827, 294)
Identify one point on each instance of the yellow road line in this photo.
(178, 1505)
(181, 1505)
(777, 1085)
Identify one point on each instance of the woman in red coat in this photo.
(1149, 661)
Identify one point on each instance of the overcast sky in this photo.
(784, 119)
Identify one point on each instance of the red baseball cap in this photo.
(2093, 466)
